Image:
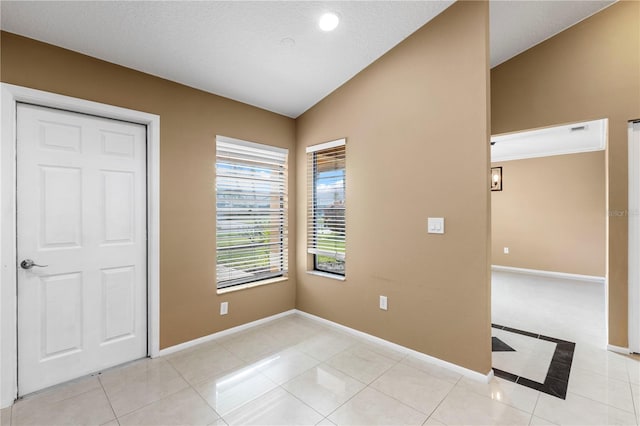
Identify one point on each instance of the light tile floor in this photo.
(296, 371)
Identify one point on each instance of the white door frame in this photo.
(633, 218)
(10, 96)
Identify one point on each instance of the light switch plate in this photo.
(224, 308)
(435, 225)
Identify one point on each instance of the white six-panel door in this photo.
(81, 210)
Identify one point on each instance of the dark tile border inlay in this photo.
(498, 345)
(557, 380)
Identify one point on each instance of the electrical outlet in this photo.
(435, 225)
(224, 308)
(383, 303)
(506, 250)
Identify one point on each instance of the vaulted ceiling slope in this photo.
(270, 54)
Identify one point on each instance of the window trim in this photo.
(314, 252)
(326, 145)
(327, 275)
(252, 285)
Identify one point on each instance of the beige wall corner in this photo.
(416, 123)
(587, 72)
(189, 120)
(551, 214)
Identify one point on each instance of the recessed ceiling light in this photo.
(329, 21)
(288, 41)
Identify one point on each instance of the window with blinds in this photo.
(251, 212)
(326, 232)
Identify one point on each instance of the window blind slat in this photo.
(251, 212)
(326, 227)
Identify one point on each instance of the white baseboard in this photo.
(549, 274)
(618, 349)
(485, 378)
(214, 336)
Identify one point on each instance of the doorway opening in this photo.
(549, 249)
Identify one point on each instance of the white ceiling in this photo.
(566, 139)
(518, 25)
(270, 54)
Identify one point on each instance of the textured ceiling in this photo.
(518, 25)
(270, 54)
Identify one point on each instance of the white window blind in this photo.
(251, 212)
(326, 230)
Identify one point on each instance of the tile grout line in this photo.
(348, 375)
(156, 400)
(376, 378)
(291, 394)
(196, 391)
(259, 373)
(53, 389)
(460, 376)
(347, 400)
(384, 393)
(592, 400)
(115, 417)
(600, 374)
(530, 419)
(502, 402)
(633, 400)
(246, 363)
(11, 415)
(281, 386)
(442, 400)
(299, 374)
(602, 403)
(606, 403)
(241, 365)
(534, 407)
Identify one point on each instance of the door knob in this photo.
(28, 264)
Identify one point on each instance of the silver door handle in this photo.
(28, 264)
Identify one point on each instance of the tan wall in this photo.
(551, 214)
(189, 122)
(588, 72)
(416, 123)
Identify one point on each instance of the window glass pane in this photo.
(329, 210)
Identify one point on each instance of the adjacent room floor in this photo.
(297, 371)
(567, 309)
(540, 325)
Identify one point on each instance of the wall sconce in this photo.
(496, 178)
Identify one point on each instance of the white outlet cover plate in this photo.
(435, 225)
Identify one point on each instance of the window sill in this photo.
(251, 285)
(328, 275)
